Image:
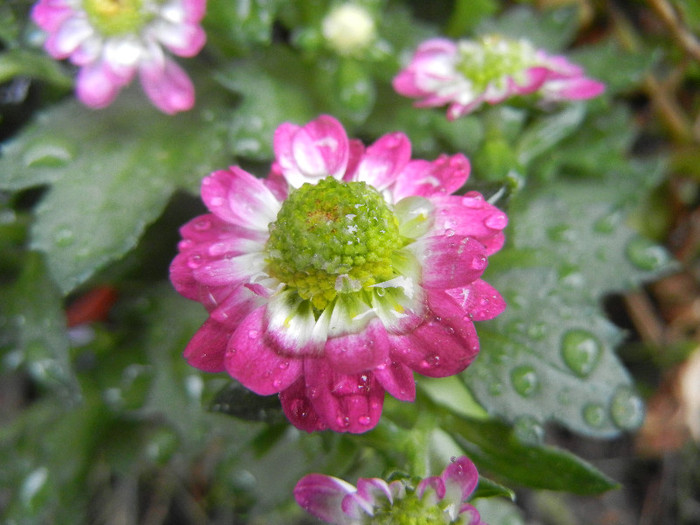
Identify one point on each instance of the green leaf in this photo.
(240, 22)
(494, 447)
(550, 355)
(467, 14)
(620, 70)
(15, 62)
(548, 131)
(273, 86)
(551, 30)
(112, 171)
(33, 309)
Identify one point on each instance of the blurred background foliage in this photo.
(104, 422)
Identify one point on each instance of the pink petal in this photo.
(481, 300)
(69, 36)
(471, 515)
(298, 408)
(471, 216)
(573, 89)
(384, 160)
(345, 402)
(50, 14)
(256, 365)
(436, 494)
(96, 87)
(229, 271)
(321, 496)
(397, 379)
(453, 261)
(239, 198)
(460, 478)
(168, 86)
(307, 153)
(444, 345)
(442, 176)
(207, 348)
(185, 40)
(353, 353)
(236, 307)
(194, 10)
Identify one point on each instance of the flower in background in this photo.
(344, 271)
(349, 28)
(112, 40)
(435, 500)
(466, 73)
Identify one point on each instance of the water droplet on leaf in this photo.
(528, 430)
(525, 380)
(64, 237)
(645, 254)
(581, 351)
(626, 408)
(594, 415)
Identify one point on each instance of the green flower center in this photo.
(116, 17)
(492, 59)
(333, 237)
(410, 511)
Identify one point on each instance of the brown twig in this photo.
(672, 20)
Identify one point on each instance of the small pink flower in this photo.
(467, 73)
(112, 40)
(435, 500)
(338, 276)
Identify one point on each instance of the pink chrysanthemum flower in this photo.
(467, 73)
(112, 40)
(344, 271)
(435, 500)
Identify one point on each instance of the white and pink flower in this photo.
(113, 40)
(338, 276)
(437, 499)
(466, 73)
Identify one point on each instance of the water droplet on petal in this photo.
(284, 365)
(594, 414)
(194, 261)
(449, 232)
(627, 408)
(343, 421)
(496, 221)
(581, 351)
(253, 334)
(430, 361)
(277, 383)
(365, 420)
(525, 380)
(202, 224)
(645, 254)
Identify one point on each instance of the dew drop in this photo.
(561, 233)
(194, 261)
(48, 153)
(216, 201)
(284, 365)
(253, 334)
(343, 421)
(594, 415)
(202, 224)
(607, 223)
(313, 393)
(431, 361)
(525, 380)
(645, 254)
(64, 237)
(626, 408)
(537, 331)
(449, 232)
(496, 388)
(277, 383)
(528, 430)
(581, 351)
(496, 221)
(365, 420)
